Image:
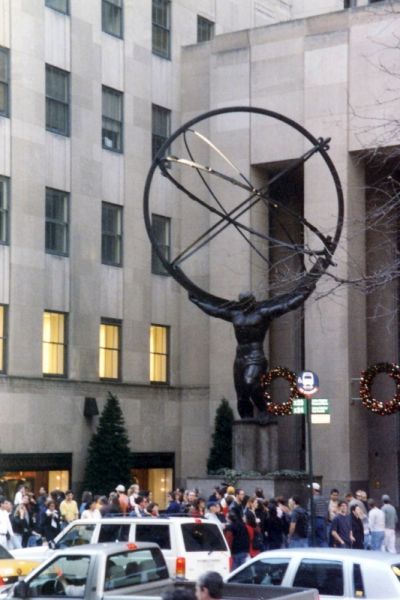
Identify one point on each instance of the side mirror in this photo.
(21, 590)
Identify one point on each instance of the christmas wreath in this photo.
(283, 408)
(377, 406)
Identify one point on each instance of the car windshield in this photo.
(396, 570)
(4, 553)
(76, 536)
(202, 537)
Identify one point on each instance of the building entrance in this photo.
(155, 473)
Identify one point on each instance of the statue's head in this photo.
(247, 300)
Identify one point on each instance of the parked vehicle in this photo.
(95, 571)
(190, 546)
(11, 569)
(337, 574)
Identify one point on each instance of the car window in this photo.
(77, 536)
(159, 534)
(358, 583)
(325, 575)
(202, 537)
(134, 568)
(64, 576)
(114, 533)
(263, 572)
(4, 553)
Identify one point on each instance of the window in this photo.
(59, 5)
(76, 570)
(114, 533)
(4, 82)
(78, 535)
(324, 575)
(157, 534)
(134, 568)
(203, 537)
(54, 343)
(266, 571)
(112, 120)
(111, 234)
(205, 29)
(57, 100)
(161, 34)
(111, 17)
(3, 338)
(159, 343)
(358, 583)
(57, 210)
(4, 194)
(161, 227)
(160, 127)
(110, 344)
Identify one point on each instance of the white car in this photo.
(190, 546)
(337, 574)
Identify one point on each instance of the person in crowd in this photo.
(122, 499)
(341, 527)
(333, 504)
(140, 509)
(298, 528)
(86, 499)
(197, 508)
(376, 519)
(51, 524)
(214, 513)
(153, 509)
(238, 502)
(21, 491)
(273, 529)
(238, 539)
(357, 527)
(6, 530)
(389, 542)
(22, 523)
(133, 493)
(91, 510)
(174, 505)
(68, 509)
(209, 586)
(320, 515)
(256, 542)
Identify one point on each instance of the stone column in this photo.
(255, 446)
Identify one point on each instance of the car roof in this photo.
(108, 548)
(339, 553)
(147, 520)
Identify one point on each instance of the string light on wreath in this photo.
(282, 408)
(377, 406)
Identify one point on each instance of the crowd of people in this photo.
(251, 524)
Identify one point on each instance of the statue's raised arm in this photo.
(213, 310)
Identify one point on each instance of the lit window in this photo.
(109, 351)
(57, 100)
(205, 29)
(56, 222)
(3, 338)
(159, 343)
(54, 343)
(111, 17)
(161, 228)
(59, 5)
(160, 127)
(4, 212)
(4, 82)
(111, 234)
(112, 120)
(161, 36)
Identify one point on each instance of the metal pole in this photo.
(310, 470)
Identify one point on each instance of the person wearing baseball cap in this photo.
(122, 498)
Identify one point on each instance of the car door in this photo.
(264, 571)
(327, 576)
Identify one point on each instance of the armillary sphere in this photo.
(238, 202)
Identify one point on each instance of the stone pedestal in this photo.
(255, 446)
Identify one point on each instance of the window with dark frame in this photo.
(160, 127)
(112, 127)
(110, 349)
(159, 354)
(161, 30)
(161, 228)
(57, 222)
(205, 29)
(4, 209)
(61, 6)
(111, 234)
(3, 337)
(54, 346)
(112, 17)
(4, 82)
(57, 100)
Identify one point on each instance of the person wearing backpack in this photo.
(298, 528)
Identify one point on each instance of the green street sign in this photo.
(319, 406)
(299, 406)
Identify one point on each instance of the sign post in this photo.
(308, 385)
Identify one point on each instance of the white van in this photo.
(190, 545)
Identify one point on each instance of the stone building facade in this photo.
(88, 90)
